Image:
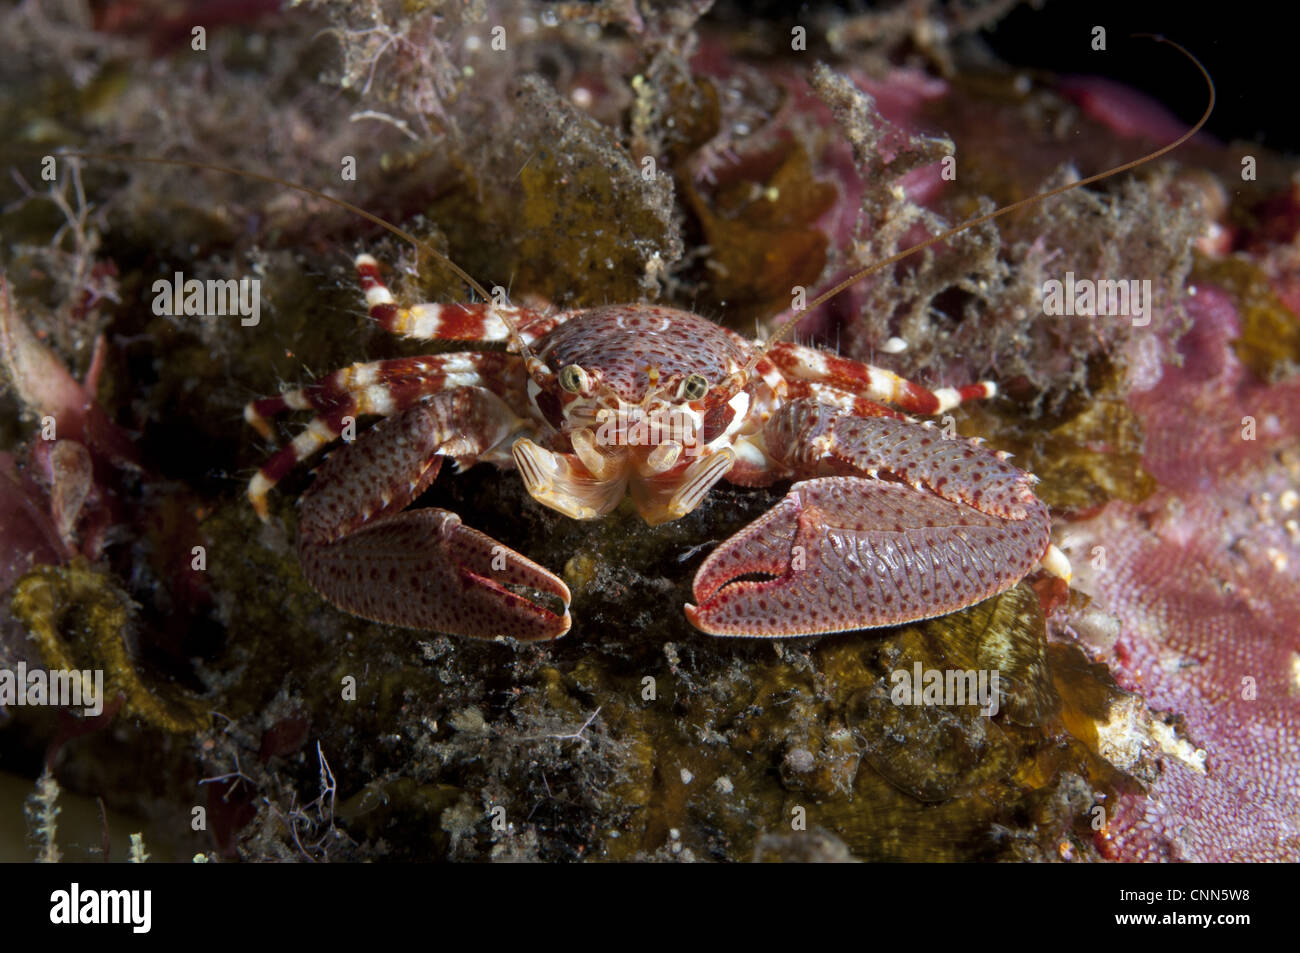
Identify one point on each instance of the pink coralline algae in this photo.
(1202, 576)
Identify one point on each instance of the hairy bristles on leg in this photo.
(844, 400)
(950, 397)
(385, 387)
(318, 433)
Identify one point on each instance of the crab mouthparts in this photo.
(662, 481)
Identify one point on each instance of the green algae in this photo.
(79, 620)
(546, 198)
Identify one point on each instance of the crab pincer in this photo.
(421, 568)
(935, 526)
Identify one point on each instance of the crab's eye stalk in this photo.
(694, 387)
(573, 378)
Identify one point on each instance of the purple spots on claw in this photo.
(853, 552)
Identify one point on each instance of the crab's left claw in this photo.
(365, 552)
(854, 552)
(428, 570)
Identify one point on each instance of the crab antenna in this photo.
(789, 325)
(400, 232)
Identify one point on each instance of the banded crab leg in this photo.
(448, 322)
(379, 387)
(389, 387)
(800, 364)
(893, 523)
(801, 373)
(422, 568)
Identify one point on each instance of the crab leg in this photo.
(448, 322)
(931, 526)
(808, 438)
(843, 400)
(379, 387)
(422, 568)
(806, 363)
(385, 387)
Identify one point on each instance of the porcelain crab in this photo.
(889, 521)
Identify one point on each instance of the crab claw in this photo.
(363, 551)
(427, 570)
(854, 552)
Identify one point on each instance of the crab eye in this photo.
(695, 387)
(573, 378)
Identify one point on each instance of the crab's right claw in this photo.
(427, 570)
(847, 553)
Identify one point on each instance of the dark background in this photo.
(1251, 48)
